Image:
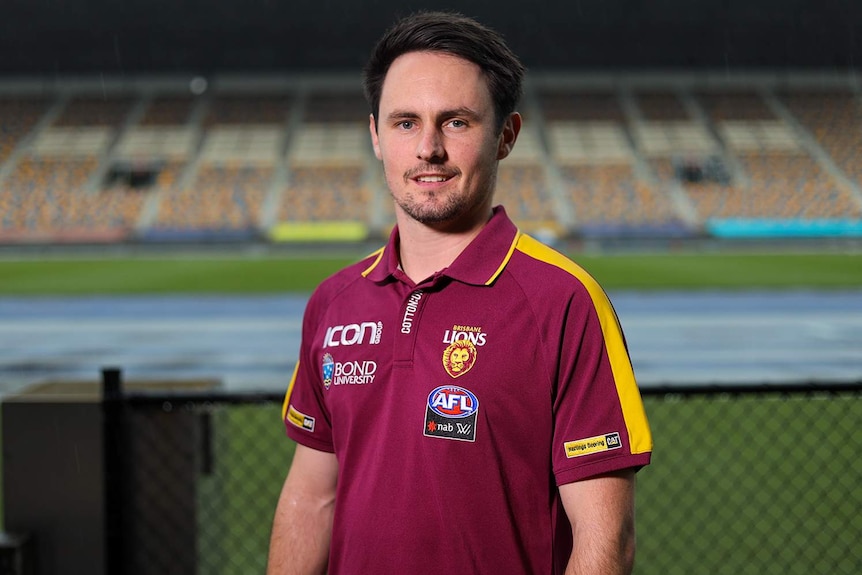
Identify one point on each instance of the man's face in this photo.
(436, 136)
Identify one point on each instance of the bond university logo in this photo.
(327, 368)
(594, 444)
(347, 372)
(451, 413)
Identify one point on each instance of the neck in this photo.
(425, 250)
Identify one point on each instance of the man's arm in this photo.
(601, 511)
(302, 527)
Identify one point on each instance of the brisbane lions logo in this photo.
(459, 357)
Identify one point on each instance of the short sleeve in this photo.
(599, 420)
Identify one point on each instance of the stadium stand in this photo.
(294, 162)
(834, 119)
(224, 199)
(523, 185)
(254, 108)
(326, 194)
(168, 110)
(50, 193)
(17, 118)
(661, 107)
(610, 192)
(782, 180)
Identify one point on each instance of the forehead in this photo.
(435, 80)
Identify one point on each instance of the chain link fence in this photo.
(759, 480)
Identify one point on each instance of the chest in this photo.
(447, 363)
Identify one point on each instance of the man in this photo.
(463, 400)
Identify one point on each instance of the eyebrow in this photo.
(455, 112)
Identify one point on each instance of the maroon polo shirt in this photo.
(455, 407)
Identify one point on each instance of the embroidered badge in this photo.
(300, 419)
(327, 368)
(450, 413)
(459, 357)
(590, 445)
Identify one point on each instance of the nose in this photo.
(430, 146)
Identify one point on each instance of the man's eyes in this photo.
(410, 124)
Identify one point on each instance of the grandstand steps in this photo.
(563, 208)
(107, 158)
(680, 203)
(150, 210)
(199, 111)
(810, 144)
(731, 162)
(268, 216)
(269, 208)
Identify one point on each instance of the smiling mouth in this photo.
(431, 179)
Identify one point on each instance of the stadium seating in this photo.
(252, 108)
(44, 198)
(168, 111)
(781, 179)
(223, 198)
(661, 107)
(835, 120)
(95, 111)
(17, 117)
(329, 161)
(590, 160)
(325, 193)
(612, 196)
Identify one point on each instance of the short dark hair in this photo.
(455, 34)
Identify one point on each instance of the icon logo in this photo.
(459, 357)
(353, 334)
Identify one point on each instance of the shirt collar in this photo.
(479, 264)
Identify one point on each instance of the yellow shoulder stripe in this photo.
(637, 427)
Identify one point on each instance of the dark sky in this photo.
(128, 36)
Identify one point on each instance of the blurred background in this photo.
(175, 177)
(169, 122)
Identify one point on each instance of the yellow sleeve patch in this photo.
(299, 419)
(594, 444)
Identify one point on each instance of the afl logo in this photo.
(451, 401)
(328, 367)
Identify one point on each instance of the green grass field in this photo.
(276, 275)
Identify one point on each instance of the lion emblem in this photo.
(459, 357)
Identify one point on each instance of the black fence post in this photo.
(114, 438)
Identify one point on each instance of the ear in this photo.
(375, 141)
(511, 129)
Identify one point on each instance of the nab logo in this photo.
(353, 334)
(453, 401)
(451, 413)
